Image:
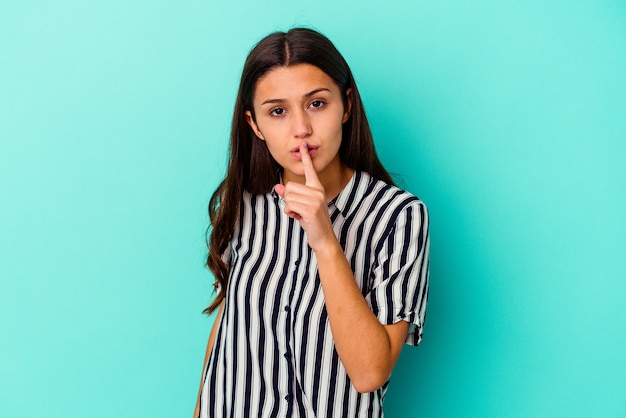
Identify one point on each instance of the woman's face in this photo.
(295, 104)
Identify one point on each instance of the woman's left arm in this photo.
(367, 349)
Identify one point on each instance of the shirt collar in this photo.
(351, 195)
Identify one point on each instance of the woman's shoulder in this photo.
(389, 193)
(367, 197)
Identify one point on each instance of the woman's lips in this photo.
(296, 152)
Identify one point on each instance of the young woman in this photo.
(321, 262)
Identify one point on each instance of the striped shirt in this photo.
(274, 354)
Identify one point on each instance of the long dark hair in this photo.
(250, 165)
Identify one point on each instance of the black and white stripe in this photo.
(274, 354)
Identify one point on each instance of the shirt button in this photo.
(287, 354)
(287, 308)
(287, 398)
(297, 262)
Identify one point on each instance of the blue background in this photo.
(507, 118)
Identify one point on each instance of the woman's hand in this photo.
(307, 204)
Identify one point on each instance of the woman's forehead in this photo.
(293, 81)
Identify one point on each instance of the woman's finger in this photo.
(310, 175)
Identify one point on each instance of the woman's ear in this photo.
(346, 114)
(253, 125)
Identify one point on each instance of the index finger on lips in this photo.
(309, 171)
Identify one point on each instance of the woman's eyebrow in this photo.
(309, 94)
(314, 92)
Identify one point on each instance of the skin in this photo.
(299, 114)
(296, 104)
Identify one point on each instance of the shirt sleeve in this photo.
(399, 289)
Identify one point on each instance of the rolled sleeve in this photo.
(399, 279)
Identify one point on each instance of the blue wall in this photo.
(507, 118)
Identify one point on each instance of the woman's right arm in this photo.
(208, 353)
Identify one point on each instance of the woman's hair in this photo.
(251, 166)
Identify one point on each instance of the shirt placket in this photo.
(288, 379)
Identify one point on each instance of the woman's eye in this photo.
(317, 104)
(277, 111)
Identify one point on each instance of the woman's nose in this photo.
(301, 125)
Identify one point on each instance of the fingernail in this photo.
(305, 144)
